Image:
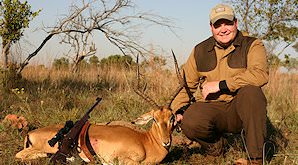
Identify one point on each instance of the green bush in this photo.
(117, 61)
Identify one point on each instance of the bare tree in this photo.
(82, 47)
(116, 19)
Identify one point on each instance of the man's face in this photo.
(224, 31)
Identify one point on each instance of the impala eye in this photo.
(154, 120)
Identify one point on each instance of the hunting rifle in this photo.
(69, 141)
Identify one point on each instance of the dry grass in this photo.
(51, 96)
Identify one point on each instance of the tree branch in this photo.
(108, 17)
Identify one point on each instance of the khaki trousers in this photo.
(205, 122)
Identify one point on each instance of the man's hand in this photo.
(210, 87)
(179, 117)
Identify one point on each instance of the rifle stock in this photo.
(70, 140)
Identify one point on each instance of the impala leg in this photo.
(30, 154)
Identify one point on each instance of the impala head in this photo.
(162, 125)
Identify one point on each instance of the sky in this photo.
(191, 17)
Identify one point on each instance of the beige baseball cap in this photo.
(221, 11)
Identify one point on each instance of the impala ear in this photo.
(144, 119)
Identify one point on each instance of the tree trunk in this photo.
(75, 67)
(5, 54)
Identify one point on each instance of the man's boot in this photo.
(215, 149)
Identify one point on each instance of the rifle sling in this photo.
(85, 143)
